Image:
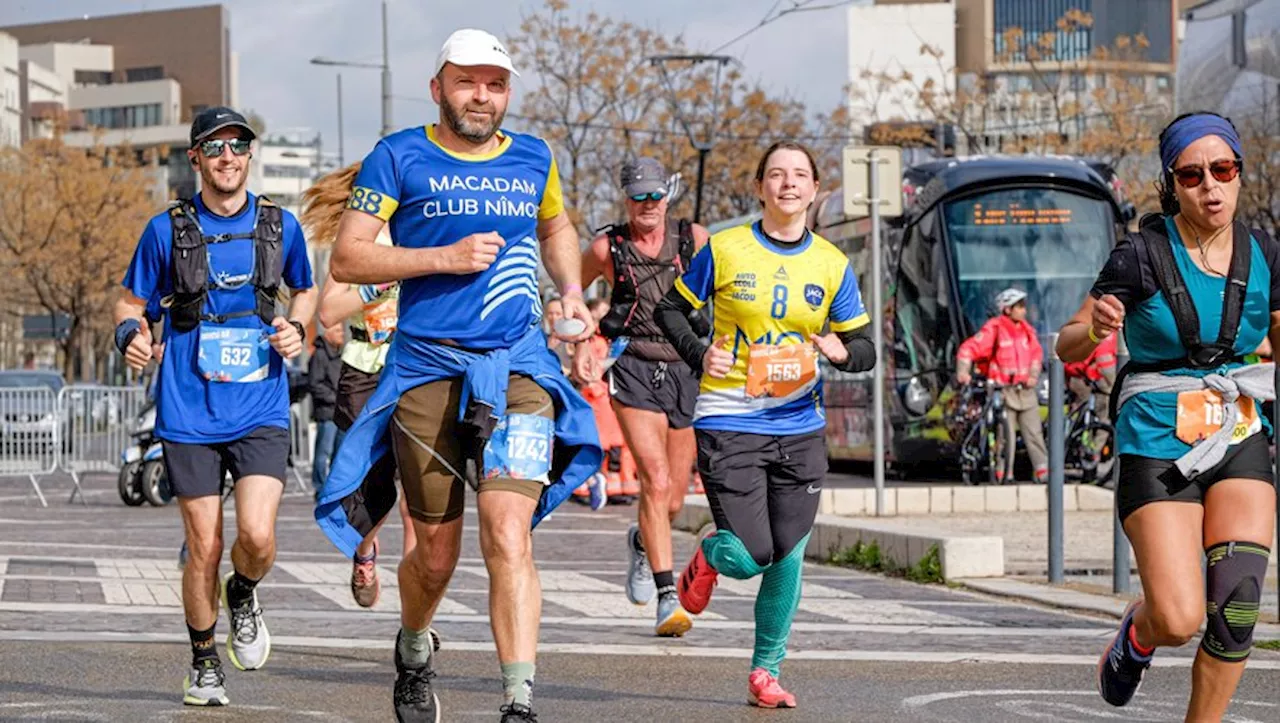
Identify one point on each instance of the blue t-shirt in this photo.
(434, 197)
(190, 409)
(1146, 424)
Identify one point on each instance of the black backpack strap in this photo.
(1159, 250)
(688, 244)
(1237, 285)
(188, 267)
(268, 235)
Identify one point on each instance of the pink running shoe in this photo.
(765, 692)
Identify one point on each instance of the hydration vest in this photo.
(631, 270)
(189, 264)
(1152, 242)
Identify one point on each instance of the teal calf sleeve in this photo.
(776, 605)
(729, 556)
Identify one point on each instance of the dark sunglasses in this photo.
(655, 196)
(213, 149)
(1192, 176)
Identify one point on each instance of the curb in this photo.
(966, 557)
(1065, 599)
(920, 500)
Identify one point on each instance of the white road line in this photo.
(674, 648)
(877, 612)
(386, 603)
(637, 620)
(611, 606)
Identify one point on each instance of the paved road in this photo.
(91, 629)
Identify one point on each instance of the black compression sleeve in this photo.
(672, 315)
(862, 350)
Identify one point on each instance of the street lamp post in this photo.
(384, 66)
(702, 145)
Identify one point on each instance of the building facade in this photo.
(1230, 61)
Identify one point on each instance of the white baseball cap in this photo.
(470, 47)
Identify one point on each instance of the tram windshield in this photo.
(1048, 242)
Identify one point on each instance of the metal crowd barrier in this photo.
(31, 433)
(301, 444)
(97, 422)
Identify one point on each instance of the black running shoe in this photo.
(517, 713)
(1119, 670)
(413, 697)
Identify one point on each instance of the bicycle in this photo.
(985, 445)
(1090, 442)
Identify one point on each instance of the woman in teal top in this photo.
(1175, 509)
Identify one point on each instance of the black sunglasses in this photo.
(213, 149)
(1192, 176)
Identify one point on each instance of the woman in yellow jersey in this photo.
(370, 311)
(759, 419)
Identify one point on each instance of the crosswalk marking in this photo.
(612, 605)
(749, 588)
(137, 569)
(341, 596)
(142, 593)
(875, 612)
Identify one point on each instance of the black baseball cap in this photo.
(211, 120)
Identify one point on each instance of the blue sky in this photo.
(803, 54)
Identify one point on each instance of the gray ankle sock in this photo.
(415, 646)
(517, 683)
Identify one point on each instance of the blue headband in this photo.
(1188, 130)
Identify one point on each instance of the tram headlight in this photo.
(916, 398)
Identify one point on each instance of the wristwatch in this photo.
(302, 330)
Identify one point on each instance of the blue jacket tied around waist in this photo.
(355, 500)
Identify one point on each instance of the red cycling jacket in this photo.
(1102, 358)
(1008, 348)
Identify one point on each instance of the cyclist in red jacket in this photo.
(1008, 347)
(1099, 368)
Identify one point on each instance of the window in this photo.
(93, 77)
(1078, 82)
(129, 116)
(1239, 57)
(1163, 82)
(138, 75)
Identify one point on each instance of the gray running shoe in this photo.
(673, 621)
(249, 643)
(205, 684)
(640, 586)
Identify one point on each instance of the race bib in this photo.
(779, 371)
(520, 448)
(1200, 415)
(234, 354)
(380, 318)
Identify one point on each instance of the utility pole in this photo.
(704, 144)
(384, 66)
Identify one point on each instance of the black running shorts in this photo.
(667, 387)
(197, 470)
(1144, 480)
(764, 489)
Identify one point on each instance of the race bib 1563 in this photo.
(779, 371)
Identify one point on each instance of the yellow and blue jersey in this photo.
(433, 197)
(765, 294)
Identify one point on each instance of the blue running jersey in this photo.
(434, 197)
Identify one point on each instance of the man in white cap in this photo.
(469, 393)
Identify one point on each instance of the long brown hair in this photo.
(324, 202)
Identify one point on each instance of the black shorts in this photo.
(764, 489)
(354, 389)
(197, 470)
(667, 387)
(1144, 479)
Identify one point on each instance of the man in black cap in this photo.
(653, 390)
(214, 264)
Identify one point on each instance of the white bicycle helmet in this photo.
(1009, 297)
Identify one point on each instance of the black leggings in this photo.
(763, 488)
